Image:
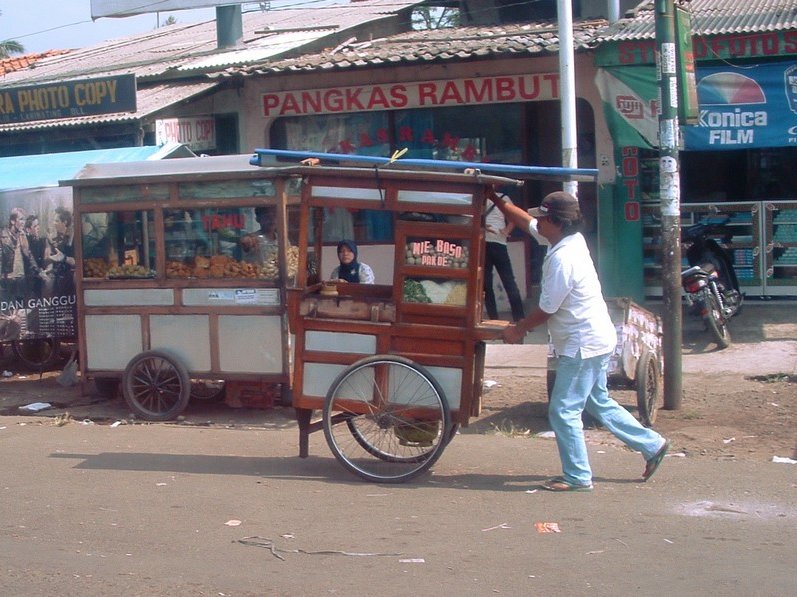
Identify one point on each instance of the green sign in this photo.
(68, 99)
(685, 69)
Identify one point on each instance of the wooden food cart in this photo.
(177, 282)
(166, 295)
(396, 366)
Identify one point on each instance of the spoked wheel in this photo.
(37, 354)
(648, 388)
(207, 390)
(717, 324)
(156, 386)
(397, 420)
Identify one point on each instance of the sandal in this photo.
(559, 484)
(654, 462)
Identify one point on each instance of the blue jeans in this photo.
(581, 384)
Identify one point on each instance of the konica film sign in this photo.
(68, 99)
(738, 107)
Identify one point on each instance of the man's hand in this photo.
(489, 192)
(513, 334)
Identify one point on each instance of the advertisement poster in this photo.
(37, 266)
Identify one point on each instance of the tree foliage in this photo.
(9, 47)
(428, 17)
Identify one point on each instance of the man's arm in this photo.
(512, 213)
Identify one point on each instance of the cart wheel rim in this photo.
(397, 420)
(156, 386)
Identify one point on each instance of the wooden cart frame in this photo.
(159, 334)
(392, 376)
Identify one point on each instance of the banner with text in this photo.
(739, 107)
(423, 94)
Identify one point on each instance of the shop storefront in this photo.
(510, 117)
(738, 159)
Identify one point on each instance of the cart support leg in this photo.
(303, 416)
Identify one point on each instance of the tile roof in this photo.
(14, 63)
(183, 50)
(709, 17)
(436, 45)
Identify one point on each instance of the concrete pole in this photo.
(567, 91)
(670, 198)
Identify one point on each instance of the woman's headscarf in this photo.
(351, 271)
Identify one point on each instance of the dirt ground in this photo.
(750, 418)
(734, 415)
(721, 416)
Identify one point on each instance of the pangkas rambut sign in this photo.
(423, 94)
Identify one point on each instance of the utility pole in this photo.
(567, 91)
(670, 197)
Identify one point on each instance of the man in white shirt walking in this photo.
(582, 332)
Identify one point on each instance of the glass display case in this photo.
(182, 267)
(761, 237)
(780, 247)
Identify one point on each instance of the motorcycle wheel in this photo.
(648, 388)
(716, 324)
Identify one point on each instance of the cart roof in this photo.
(240, 166)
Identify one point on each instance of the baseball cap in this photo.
(560, 204)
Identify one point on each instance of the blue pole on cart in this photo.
(553, 173)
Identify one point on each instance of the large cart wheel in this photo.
(156, 386)
(37, 354)
(207, 390)
(397, 420)
(648, 387)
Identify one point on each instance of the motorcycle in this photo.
(710, 283)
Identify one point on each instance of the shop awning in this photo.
(149, 100)
(45, 170)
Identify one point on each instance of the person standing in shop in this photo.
(497, 230)
(572, 305)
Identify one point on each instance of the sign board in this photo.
(687, 86)
(126, 8)
(740, 107)
(68, 99)
(533, 87)
(198, 133)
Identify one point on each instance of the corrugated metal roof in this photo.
(164, 52)
(709, 17)
(461, 43)
(45, 170)
(148, 101)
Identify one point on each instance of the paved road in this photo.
(95, 510)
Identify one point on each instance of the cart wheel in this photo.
(37, 354)
(156, 386)
(648, 387)
(107, 387)
(397, 419)
(207, 390)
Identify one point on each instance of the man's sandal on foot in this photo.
(654, 462)
(559, 484)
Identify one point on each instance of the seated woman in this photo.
(351, 270)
